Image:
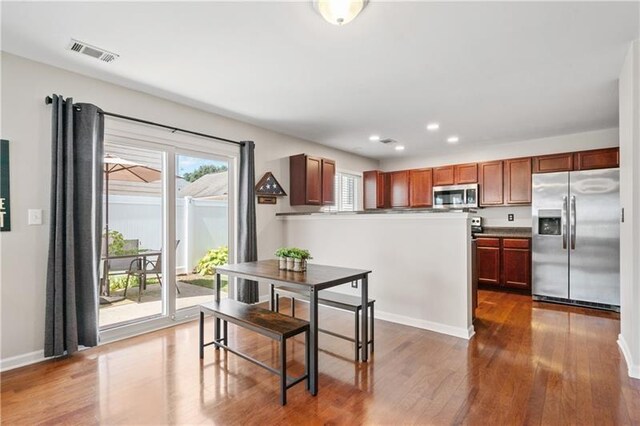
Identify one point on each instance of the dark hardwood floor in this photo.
(529, 363)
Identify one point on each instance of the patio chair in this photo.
(118, 266)
(137, 269)
(150, 267)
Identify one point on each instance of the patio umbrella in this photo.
(124, 170)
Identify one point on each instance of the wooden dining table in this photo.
(314, 279)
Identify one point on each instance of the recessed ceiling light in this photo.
(400, 148)
(453, 139)
(433, 126)
(374, 138)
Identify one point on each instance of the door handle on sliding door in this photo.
(563, 222)
(572, 221)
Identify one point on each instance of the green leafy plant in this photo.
(214, 257)
(293, 252)
(298, 253)
(116, 244)
(282, 252)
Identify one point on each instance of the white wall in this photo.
(26, 123)
(629, 89)
(497, 216)
(413, 280)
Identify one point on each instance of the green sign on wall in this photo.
(5, 203)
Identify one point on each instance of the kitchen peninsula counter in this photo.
(420, 260)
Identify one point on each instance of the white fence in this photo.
(200, 225)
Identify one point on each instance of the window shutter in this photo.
(347, 191)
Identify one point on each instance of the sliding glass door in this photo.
(202, 226)
(132, 254)
(167, 203)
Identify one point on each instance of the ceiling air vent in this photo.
(388, 141)
(94, 52)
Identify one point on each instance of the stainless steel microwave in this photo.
(455, 196)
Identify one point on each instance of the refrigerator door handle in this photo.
(563, 222)
(572, 220)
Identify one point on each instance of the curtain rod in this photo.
(48, 100)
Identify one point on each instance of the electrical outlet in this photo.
(354, 284)
(510, 217)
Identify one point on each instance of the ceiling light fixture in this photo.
(374, 138)
(433, 127)
(453, 139)
(339, 12)
(400, 148)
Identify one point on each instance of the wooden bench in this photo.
(335, 300)
(263, 321)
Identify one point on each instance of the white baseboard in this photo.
(412, 322)
(427, 325)
(633, 369)
(21, 360)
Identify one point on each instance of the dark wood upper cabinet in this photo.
(375, 189)
(465, 173)
(582, 160)
(328, 182)
(488, 261)
(597, 159)
(443, 176)
(491, 183)
(516, 263)
(517, 181)
(553, 163)
(307, 182)
(399, 188)
(420, 188)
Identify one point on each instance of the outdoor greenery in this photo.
(205, 169)
(293, 252)
(116, 244)
(214, 257)
(206, 281)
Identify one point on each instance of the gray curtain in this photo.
(247, 241)
(75, 223)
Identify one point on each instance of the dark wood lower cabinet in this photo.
(516, 263)
(488, 261)
(504, 262)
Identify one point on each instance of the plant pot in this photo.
(304, 265)
(297, 265)
(289, 263)
(282, 263)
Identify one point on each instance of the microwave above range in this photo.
(455, 196)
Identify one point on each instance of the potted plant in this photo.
(300, 257)
(282, 254)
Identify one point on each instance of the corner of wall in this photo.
(633, 369)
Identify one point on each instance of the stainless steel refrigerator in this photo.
(576, 238)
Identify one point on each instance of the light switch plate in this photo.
(35, 216)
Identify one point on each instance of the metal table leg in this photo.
(313, 341)
(217, 328)
(365, 318)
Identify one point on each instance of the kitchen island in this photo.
(421, 261)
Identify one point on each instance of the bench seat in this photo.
(342, 301)
(268, 323)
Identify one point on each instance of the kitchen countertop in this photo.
(504, 232)
(379, 211)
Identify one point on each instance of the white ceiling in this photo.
(488, 72)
